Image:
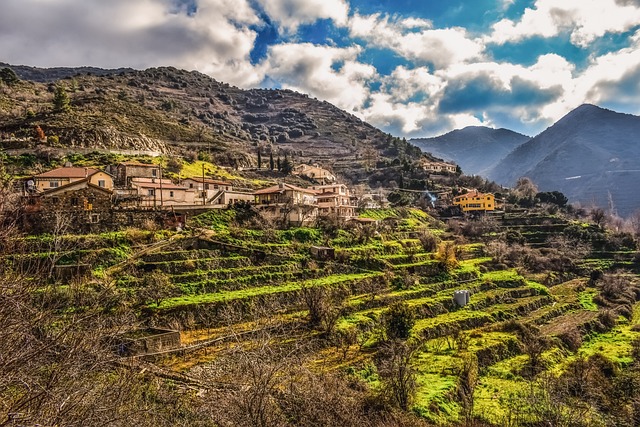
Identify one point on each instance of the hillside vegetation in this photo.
(274, 336)
(166, 110)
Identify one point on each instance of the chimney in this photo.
(281, 185)
(86, 172)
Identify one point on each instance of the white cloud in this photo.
(329, 73)
(441, 47)
(584, 20)
(145, 33)
(292, 13)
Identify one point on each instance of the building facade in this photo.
(475, 201)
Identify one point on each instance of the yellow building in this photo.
(475, 201)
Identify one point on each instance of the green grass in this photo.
(264, 290)
(586, 299)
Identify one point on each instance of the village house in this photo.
(474, 201)
(335, 200)
(314, 172)
(438, 167)
(288, 203)
(124, 172)
(162, 193)
(79, 206)
(66, 175)
(207, 188)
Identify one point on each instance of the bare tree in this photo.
(395, 366)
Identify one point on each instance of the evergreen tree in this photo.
(279, 165)
(271, 166)
(9, 76)
(61, 100)
(259, 160)
(287, 165)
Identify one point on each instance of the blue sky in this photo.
(412, 68)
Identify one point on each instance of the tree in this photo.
(395, 367)
(446, 256)
(259, 159)
(553, 197)
(287, 165)
(61, 101)
(271, 164)
(525, 188)
(400, 318)
(467, 382)
(156, 286)
(279, 165)
(8, 76)
(598, 216)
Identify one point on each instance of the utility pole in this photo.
(160, 185)
(204, 193)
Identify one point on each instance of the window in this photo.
(75, 201)
(54, 184)
(191, 185)
(101, 183)
(94, 218)
(206, 186)
(154, 172)
(170, 193)
(55, 200)
(151, 192)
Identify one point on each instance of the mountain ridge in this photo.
(588, 154)
(475, 148)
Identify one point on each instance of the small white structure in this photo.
(462, 297)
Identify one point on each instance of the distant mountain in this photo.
(476, 149)
(592, 155)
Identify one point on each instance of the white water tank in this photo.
(462, 297)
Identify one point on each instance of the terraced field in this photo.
(228, 283)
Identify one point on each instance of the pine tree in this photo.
(271, 165)
(279, 165)
(259, 160)
(61, 100)
(9, 76)
(287, 165)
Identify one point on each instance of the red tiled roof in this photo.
(148, 165)
(72, 172)
(209, 181)
(164, 185)
(475, 193)
(278, 189)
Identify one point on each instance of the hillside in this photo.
(170, 110)
(322, 340)
(591, 155)
(476, 149)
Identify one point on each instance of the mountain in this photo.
(475, 148)
(175, 111)
(45, 75)
(592, 155)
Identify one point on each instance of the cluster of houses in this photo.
(127, 194)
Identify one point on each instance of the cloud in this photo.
(584, 20)
(330, 73)
(215, 38)
(290, 14)
(416, 40)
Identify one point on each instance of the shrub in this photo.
(399, 319)
(53, 139)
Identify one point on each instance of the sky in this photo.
(413, 68)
